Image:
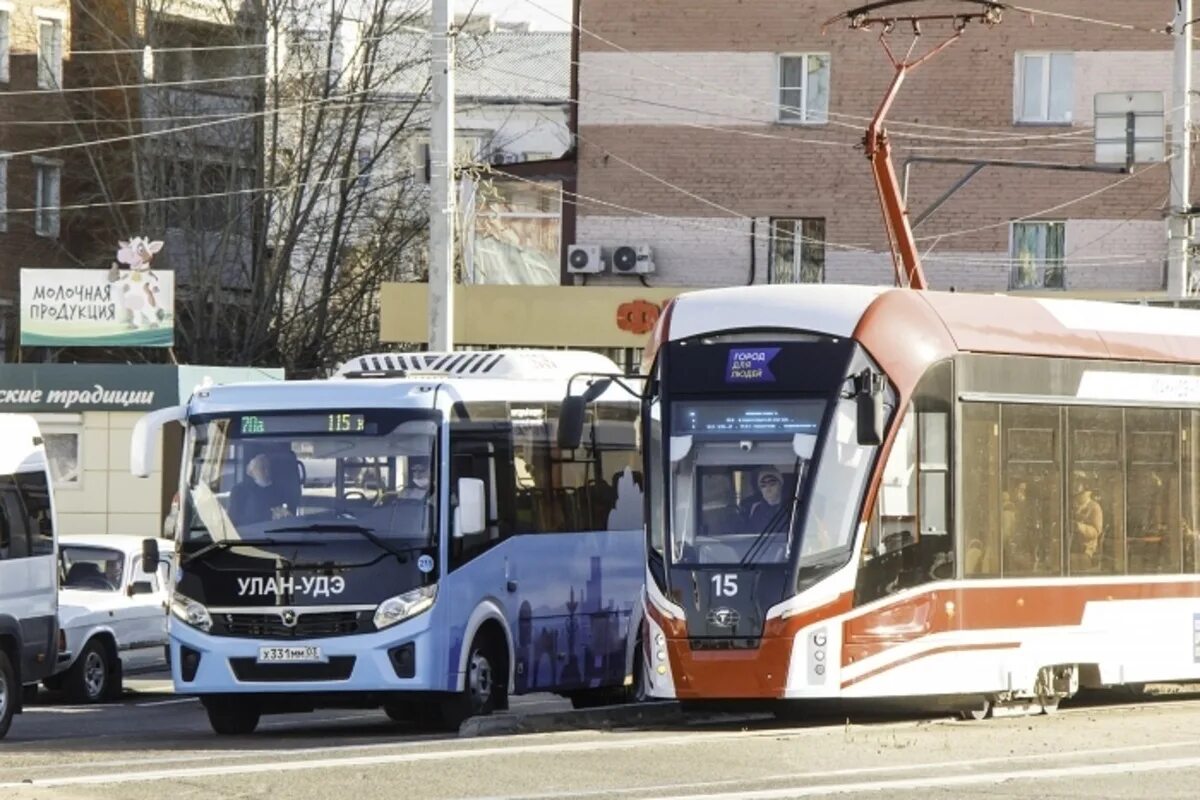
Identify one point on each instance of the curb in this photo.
(631, 715)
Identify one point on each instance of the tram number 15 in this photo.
(725, 585)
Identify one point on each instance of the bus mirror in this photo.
(144, 444)
(150, 556)
(470, 517)
(680, 447)
(870, 418)
(803, 445)
(570, 422)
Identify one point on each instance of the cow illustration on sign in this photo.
(137, 288)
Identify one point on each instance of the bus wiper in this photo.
(345, 527)
(226, 544)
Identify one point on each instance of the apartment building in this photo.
(726, 138)
(32, 113)
(106, 108)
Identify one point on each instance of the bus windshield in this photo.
(739, 469)
(273, 477)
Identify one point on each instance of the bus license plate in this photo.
(290, 655)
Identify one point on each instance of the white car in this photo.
(111, 614)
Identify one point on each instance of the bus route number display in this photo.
(259, 425)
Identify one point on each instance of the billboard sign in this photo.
(129, 305)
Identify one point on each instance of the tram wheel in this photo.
(980, 711)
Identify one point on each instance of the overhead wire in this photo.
(837, 245)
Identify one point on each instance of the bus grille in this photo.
(272, 624)
(338, 668)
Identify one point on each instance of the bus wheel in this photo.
(485, 688)
(8, 688)
(232, 716)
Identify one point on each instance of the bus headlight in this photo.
(403, 606)
(191, 612)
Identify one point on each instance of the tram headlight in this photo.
(659, 640)
(190, 612)
(404, 606)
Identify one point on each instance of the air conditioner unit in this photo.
(584, 259)
(628, 259)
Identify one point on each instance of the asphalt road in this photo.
(152, 744)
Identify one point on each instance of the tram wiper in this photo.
(345, 527)
(760, 541)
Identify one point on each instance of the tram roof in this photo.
(982, 323)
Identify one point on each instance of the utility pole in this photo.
(441, 182)
(1179, 240)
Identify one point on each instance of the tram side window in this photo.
(982, 499)
(1153, 469)
(1189, 441)
(658, 523)
(1095, 505)
(910, 541)
(1032, 502)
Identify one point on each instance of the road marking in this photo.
(1046, 773)
(841, 773)
(591, 746)
(465, 752)
(167, 702)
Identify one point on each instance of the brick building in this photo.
(726, 136)
(29, 181)
(75, 72)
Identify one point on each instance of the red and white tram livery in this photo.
(864, 492)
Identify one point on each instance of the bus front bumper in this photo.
(397, 659)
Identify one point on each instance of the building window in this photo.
(516, 235)
(63, 456)
(5, 39)
(366, 160)
(804, 88)
(1037, 255)
(49, 196)
(1045, 90)
(797, 251)
(3, 192)
(50, 53)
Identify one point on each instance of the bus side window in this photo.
(486, 456)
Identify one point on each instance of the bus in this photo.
(867, 494)
(407, 535)
(28, 565)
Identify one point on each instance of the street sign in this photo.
(1130, 128)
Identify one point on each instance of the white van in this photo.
(28, 564)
